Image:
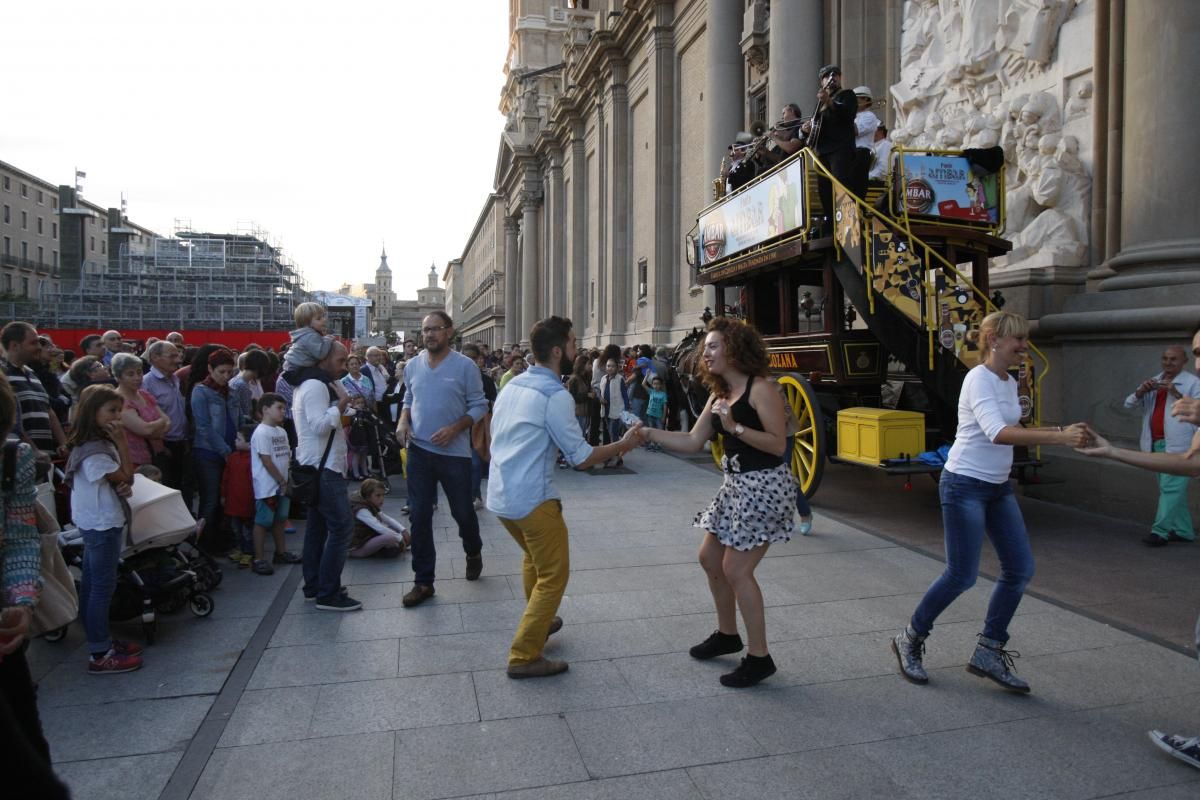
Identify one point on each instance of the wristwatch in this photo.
(739, 429)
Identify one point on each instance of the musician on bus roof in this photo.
(786, 132)
(865, 121)
(830, 133)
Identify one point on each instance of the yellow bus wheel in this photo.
(808, 444)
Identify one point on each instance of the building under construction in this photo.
(193, 280)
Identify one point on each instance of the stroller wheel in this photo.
(200, 604)
(55, 635)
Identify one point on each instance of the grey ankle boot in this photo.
(991, 660)
(910, 652)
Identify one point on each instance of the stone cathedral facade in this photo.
(619, 111)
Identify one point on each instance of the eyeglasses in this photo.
(437, 329)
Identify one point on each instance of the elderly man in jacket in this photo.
(1163, 432)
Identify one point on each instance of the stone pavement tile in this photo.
(486, 757)
(630, 579)
(671, 785)
(377, 570)
(371, 595)
(1071, 755)
(270, 715)
(486, 589)
(583, 559)
(635, 637)
(1188, 790)
(144, 726)
(1119, 674)
(587, 685)
(456, 652)
(345, 767)
(787, 719)
(644, 738)
(324, 663)
(846, 575)
(129, 778)
(392, 623)
(313, 628)
(499, 615)
(191, 656)
(675, 676)
(819, 775)
(244, 594)
(394, 704)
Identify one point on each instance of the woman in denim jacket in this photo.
(214, 414)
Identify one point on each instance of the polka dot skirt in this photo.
(752, 508)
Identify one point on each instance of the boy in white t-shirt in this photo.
(269, 470)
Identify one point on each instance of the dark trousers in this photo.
(214, 540)
(426, 471)
(841, 164)
(26, 754)
(173, 463)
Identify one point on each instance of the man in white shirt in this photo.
(318, 418)
(882, 164)
(865, 121)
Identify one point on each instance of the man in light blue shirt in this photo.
(443, 398)
(534, 419)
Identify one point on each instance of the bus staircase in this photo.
(923, 308)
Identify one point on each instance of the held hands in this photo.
(14, 627)
(1077, 435)
(1187, 409)
(1098, 447)
(634, 436)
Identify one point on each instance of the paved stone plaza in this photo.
(269, 698)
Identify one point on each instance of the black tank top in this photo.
(747, 458)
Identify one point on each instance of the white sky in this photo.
(332, 125)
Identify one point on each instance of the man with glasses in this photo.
(443, 399)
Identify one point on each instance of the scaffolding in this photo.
(193, 280)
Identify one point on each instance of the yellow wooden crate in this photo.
(871, 435)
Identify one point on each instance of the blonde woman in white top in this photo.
(977, 498)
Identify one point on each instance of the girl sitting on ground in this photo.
(375, 533)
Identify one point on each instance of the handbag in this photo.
(481, 438)
(305, 480)
(58, 602)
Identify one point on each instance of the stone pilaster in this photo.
(555, 267)
(512, 282)
(577, 286)
(664, 272)
(616, 204)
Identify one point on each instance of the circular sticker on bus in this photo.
(918, 195)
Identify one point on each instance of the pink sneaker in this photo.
(112, 663)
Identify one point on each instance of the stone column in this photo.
(1159, 229)
(577, 288)
(724, 99)
(663, 267)
(530, 203)
(797, 51)
(556, 268)
(511, 283)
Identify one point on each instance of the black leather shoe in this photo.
(719, 644)
(474, 566)
(1154, 540)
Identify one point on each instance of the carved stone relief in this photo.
(981, 73)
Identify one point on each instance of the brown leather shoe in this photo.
(474, 566)
(419, 594)
(541, 668)
(555, 627)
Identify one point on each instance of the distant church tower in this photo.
(384, 297)
(432, 295)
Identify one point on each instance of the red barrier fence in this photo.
(69, 338)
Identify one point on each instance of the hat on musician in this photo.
(863, 91)
(743, 138)
(829, 69)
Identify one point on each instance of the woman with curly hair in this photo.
(755, 506)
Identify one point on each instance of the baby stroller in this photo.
(161, 568)
(370, 432)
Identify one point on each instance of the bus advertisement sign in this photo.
(764, 210)
(947, 187)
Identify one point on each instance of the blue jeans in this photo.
(208, 482)
(582, 419)
(327, 537)
(616, 429)
(638, 407)
(101, 555)
(425, 471)
(476, 475)
(971, 507)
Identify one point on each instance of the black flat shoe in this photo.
(752, 670)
